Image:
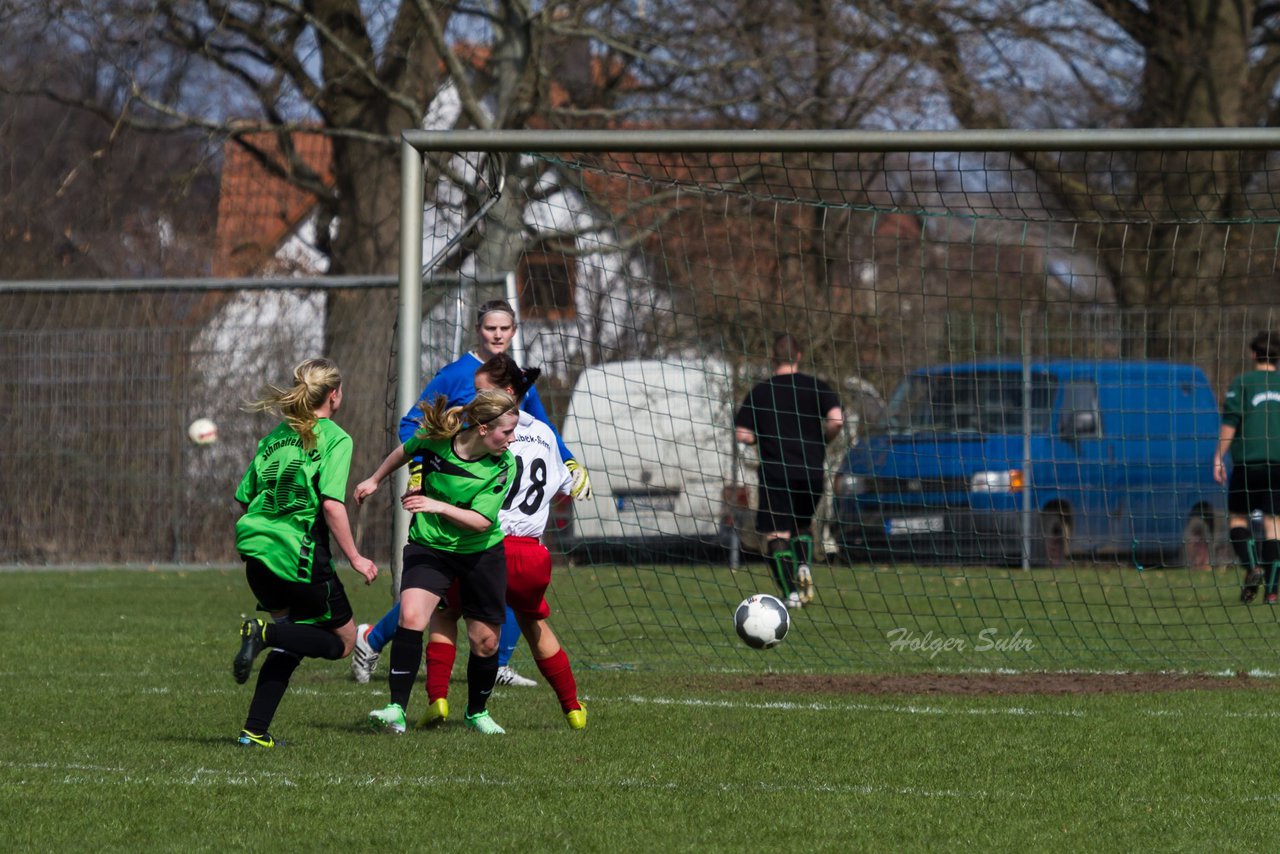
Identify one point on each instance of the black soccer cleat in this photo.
(251, 643)
(252, 739)
(1252, 581)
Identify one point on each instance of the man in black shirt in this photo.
(791, 417)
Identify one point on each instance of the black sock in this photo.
(1242, 545)
(303, 640)
(273, 681)
(406, 653)
(481, 674)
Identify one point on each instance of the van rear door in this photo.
(1172, 431)
(657, 436)
(1084, 470)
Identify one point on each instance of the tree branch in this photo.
(453, 64)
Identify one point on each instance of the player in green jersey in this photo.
(1250, 432)
(454, 534)
(293, 494)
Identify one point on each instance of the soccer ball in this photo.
(203, 431)
(762, 621)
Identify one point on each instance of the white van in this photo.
(657, 439)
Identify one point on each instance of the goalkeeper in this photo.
(495, 329)
(791, 417)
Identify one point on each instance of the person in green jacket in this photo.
(1250, 433)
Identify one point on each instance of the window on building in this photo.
(548, 279)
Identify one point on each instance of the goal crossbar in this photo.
(1086, 139)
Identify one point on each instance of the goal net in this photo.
(1029, 342)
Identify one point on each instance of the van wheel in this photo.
(1053, 542)
(1197, 543)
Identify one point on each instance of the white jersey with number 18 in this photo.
(539, 475)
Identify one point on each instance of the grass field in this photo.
(116, 732)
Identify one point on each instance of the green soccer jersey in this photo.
(1252, 406)
(480, 485)
(284, 489)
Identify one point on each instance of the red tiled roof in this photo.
(899, 226)
(258, 210)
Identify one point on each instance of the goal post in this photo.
(1059, 312)
(413, 274)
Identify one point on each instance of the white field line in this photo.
(1255, 673)
(778, 705)
(888, 708)
(79, 774)
(377, 694)
(44, 774)
(1014, 671)
(913, 709)
(1017, 671)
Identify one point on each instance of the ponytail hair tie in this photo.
(525, 381)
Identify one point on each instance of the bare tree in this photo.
(1010, 64)
(1179, 64)
(360, 73)
(83, 195)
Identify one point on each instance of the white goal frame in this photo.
(416, 144)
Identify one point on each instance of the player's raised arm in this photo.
(369, 485)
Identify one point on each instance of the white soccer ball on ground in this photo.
(203, 431)
(762, 621)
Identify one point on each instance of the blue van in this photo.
(1063, 459)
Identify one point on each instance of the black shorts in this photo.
(787, 506)
(320, 603)
(1254, 486)
(481, 576)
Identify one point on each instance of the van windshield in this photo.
(985, 402)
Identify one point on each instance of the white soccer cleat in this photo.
(794, 602)
(804, 583)
(363, 659)
(508, 676)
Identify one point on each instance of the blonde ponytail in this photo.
(313, 380)
(441, 421)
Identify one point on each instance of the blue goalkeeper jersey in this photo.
(457, 382)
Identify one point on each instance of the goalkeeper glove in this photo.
(415, 476)
(580, 486)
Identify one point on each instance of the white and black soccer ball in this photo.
(762, 621)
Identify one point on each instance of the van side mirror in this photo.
(1082, 424)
